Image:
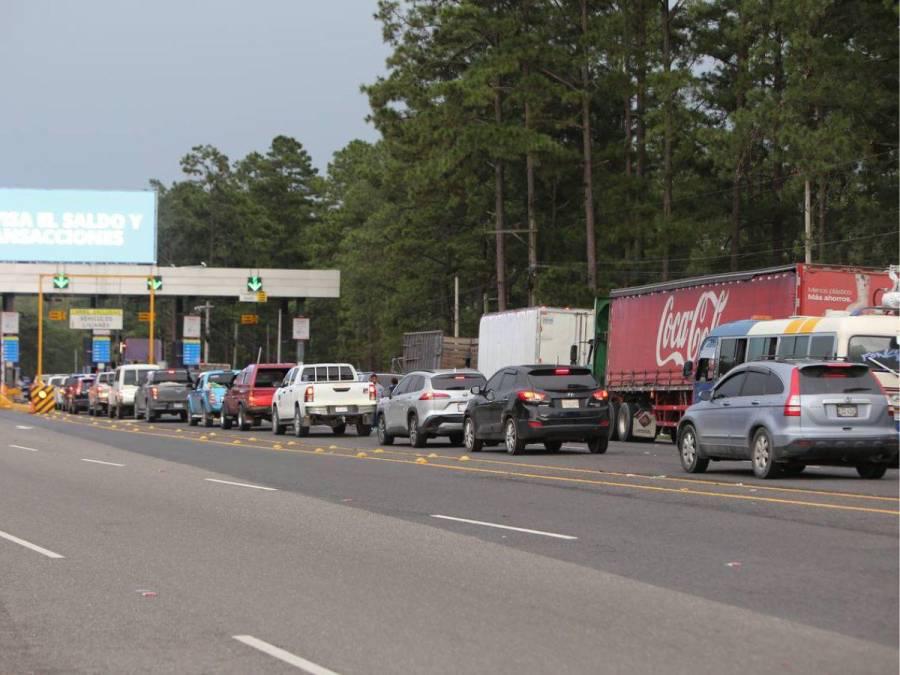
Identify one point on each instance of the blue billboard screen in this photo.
(93, 226)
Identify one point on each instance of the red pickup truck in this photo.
(249, 399)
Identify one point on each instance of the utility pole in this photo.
(807, 223)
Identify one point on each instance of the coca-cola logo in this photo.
(680, 334)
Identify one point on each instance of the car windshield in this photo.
(880, 352)
(562, 379)
(180, 376)
(220, 379)
(458, 381)
(270, 377)
(837, 379)
(133, 376)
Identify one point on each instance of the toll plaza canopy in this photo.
(106, 279)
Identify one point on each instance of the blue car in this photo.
(205, 399)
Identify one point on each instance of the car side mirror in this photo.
(706, 395)
(476, 390)
(688, 368)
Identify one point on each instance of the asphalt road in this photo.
(365, 559)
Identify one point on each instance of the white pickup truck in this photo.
(327, 394)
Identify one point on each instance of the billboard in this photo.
(91, 226)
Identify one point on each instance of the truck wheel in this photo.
(623, 422)
(762, 455)
(277, 426)
(613, 421)
(150, 416)
(456, 439)
(871, 471)
(417, 439)
(598, 445)
(384, 438)
(134, 411)
(183, 416)
(363, 429)
(205, 417)
(243, 424)
(299, 429)
(470, 438)
(224, 420)
(514, 445)
(340, 429)
(193, 421)
(689, 451)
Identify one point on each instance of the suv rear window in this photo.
(837, 380)
(461, 381)
(562, 378)
(132, 376)
(270, 377)
(171, 376)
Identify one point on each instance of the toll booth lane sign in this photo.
(190, 354)
(11, 349)
(100, 349)
(93, 319)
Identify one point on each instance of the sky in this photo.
(107, 94)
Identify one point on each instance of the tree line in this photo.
(545, 151)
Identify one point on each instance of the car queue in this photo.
(781, 414)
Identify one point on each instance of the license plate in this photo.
(570, 403)
(846, 411)
(176, 405)
(340, 408)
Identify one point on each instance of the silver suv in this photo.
(783, 415)
(426, 404)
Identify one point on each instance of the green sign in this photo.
(60, 281)
(154, 283)
(254, 284)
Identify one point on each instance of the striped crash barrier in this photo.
(42, 399)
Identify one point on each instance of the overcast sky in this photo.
(111, 93)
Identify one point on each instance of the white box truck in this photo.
(535, 335)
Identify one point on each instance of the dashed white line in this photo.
(100, 461)
(22, 426)
(506, 527)
(282, 655)
(229, 482)
(23, 447)
(29, 545)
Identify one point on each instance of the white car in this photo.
(323, 394)
(124, 385)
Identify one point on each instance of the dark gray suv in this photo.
(783, 415)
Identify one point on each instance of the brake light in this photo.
(600, 395)
(154, 392)
(459, 377)
(309, 395)
(372, 391)
(78, 388)
(561, 371)
(792, 404)
(429, 395)
(251, 399)
(531, 396)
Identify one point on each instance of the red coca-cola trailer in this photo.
(645, 334)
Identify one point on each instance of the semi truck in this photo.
(535, 335)
(645, 335)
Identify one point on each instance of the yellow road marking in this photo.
(580, 481)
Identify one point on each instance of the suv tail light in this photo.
(78, 388)
(531, 396)
(309, 395)
(251, 399)
(892, 412)
(154, 392)
(792, 404)
(372, 392)
(430, 395)
(600, 395)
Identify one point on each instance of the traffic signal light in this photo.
(254, 283)
(60, 281)
(154, 283)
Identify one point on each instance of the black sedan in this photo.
(538, 404)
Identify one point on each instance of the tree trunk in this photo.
(532, 216)
(590, 231)
(667, 140)
(641, 87)
(735, 217)
(498, 207)
(822, 208)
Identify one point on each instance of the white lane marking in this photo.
(28, 544)
(282, 655)
(23, 447)
(22, 426)
(506, 527)
(100, 461)
(228, 482)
